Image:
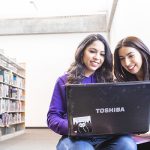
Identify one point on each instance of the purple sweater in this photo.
(57, 113)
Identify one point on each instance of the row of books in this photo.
(7, 119)
(12, 129)
(12, 79)
(11, 106)
(11, 92)
(6, 64)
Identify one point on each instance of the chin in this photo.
(134, 73)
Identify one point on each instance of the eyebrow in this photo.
(127, 54)
(97, 50)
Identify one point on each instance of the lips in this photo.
(94, 63)
(131, 68)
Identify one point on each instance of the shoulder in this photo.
(62, 79)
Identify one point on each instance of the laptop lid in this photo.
(108, 108)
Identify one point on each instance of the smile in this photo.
(94, 62)
(131, 67)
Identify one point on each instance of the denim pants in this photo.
(123, 142)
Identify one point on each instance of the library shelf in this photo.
(12, 98)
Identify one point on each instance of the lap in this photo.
(123, 142)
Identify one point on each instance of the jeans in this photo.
(124, 142)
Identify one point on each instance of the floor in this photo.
(44, 139)
(32, 139)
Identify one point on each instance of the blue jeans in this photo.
(124, 142)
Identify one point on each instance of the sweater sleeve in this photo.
(57, 113)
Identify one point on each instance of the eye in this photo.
(92, 51)
(131, 56)
(102, 54)
(121, 58)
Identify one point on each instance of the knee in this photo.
(64, 143)
(69, 144)
(127, 143)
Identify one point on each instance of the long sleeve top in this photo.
(57, 113)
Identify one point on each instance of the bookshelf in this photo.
(12, 98)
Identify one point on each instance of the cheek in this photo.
(102, 59)
(84, 59)
(122, 64)
(139, 60)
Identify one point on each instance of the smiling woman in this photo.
(132, 63)
(131, 60)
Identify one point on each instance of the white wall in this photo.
(132, 17)
(47, 57)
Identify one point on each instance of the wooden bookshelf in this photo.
(12, 98)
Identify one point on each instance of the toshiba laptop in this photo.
(108, 108)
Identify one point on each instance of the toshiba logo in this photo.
(110, 110)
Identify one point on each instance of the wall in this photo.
(47, 56)
(131, 18)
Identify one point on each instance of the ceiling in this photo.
(46, 8)
(19, 17)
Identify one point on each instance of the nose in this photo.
(127, 61)
(97, 56)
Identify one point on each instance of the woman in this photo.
(93, 64)
(131, 60)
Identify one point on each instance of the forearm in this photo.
(57, 124)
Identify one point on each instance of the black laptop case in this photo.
(108, 108)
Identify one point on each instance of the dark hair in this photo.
(76, 70)
(120, 73)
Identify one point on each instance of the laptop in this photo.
(108, 108)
